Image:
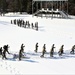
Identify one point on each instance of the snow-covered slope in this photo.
(51, 31)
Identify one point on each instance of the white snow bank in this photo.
(51, 31)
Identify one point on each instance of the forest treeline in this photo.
(26, 6)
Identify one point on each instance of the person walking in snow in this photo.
(61, 50)
(32, 25)
(21, 51)
(15, 21)
(28, 24)
(20, 54)
(11, 22)
(36, 47)
(5, 47)
(72, 50)
(44, 50)
(22, 47)
(52, 51)
(36, 26)
(18, 22)
(1, 51)
(23, 23)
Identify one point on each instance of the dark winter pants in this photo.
(4, 56)
(20, 56)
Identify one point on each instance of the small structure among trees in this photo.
(50, 8)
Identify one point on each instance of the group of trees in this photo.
(26, 6)
(72, 7)
(15, 5)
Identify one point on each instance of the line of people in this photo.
(25, 24)
(4, 49)
(60, 52)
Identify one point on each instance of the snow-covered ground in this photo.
(51, 31)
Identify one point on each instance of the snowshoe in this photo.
(35, 51)
(71, 52)
(42, 56)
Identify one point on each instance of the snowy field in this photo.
(51, 31)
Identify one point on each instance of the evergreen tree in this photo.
(3, 6)
(71, 7)
(26, 6)
(20, 5)
(16, 5)
(10, 5)
(29, 6)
